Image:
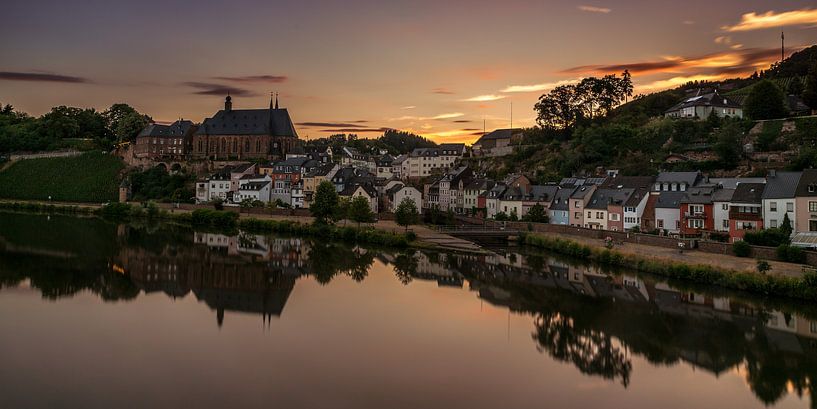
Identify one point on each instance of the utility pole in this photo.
(511, 114)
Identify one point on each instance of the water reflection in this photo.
(598, 321)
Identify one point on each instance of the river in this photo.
(102, 315)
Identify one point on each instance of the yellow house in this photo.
(314, 177)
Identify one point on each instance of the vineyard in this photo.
(91, 177)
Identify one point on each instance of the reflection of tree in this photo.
(326, 260)
(405, 266)
(591, 351)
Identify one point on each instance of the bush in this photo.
(766, 237)
(791, 254)
(741, 249)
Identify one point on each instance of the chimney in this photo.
(773, 173)
(228, 103)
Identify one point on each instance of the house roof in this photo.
(542, 193)
(723, 195)
(732, 183)
(498, 134)
(669, 200)
(807, 186)
(321, 170)
(748, 193)
(561, 199)
(699, 195)
(712, 99)
(678, 177)
(274, 122)
(241, 168)
(603, 197)
(178, 128)
(253, 185)
(631, 182)
(781, 185)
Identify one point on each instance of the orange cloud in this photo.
(537, 87)
(483, 98)
(594, 9)
(770, 19)
(676, 81)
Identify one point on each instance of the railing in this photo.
(474, 228)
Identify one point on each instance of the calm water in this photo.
(98, 315)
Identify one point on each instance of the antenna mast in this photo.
(782, 47)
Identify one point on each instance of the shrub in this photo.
(741, 249)
(791, 254)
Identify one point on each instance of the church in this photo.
(240, 134)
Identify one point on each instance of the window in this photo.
(772, 206)
(577, 215)
(812, 225)
(599, 215)
(725, 206)
(725, 223)
(773, 223)
(696, 224)
(789, 206)
(696, 209)
(812, 206)
(660, 223)
(589, 214)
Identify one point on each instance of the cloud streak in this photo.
(483, 98)
(442, 91)
(770, 19)
(731, 62)
(253, 79)
(41, 77)
(353, 124)
(206, 88)
(537, 87)
(594, 9)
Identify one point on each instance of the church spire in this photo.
(228, 102)
(276, 100)
(270, 100)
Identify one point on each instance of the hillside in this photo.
(635, 138)
(90, 177)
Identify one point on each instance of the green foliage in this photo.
(810, 88)
(406, 213)
(592, 97)
(763, 266)
(536, 214)
(501, 217)
(347, 234)
(124, 122)
(157, 184)
(325, 203)
(214, 218)
(90, 177)
(791, 254)
(741, 249)
(785, 225)
(767, 237)
(765, 101)
(728, 146)
(360, 210)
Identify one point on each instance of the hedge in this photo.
(804, 287)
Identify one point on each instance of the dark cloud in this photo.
(332, 124)
(272, 79)
(41, 77)
(727, 62)
(442, 90)
(206, 88)
(462, 121)
(355, 130)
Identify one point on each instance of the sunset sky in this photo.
(437, 68)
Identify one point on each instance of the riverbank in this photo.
(801, 286)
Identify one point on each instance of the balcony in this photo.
(737, 215)
(695, 215)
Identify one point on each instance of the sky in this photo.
(442, 69)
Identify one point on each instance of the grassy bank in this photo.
(804, 287)
(90, 177)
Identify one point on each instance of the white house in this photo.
(407, 192)
(779, 198)
(366, 191)
(298, 195)
(721, 200)
(253, 190)
(216, 186)
(668, 211)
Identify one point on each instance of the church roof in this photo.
(274, 122)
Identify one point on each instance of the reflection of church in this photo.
(245, 273)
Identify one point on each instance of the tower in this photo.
(228, 103)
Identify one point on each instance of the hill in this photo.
(90, 177)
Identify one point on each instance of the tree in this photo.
(536, 214)
(810, 89)
(591, 98)
(324, 207)
(124, 122)
(501, 217)
(360, 211)
(765, 101)
(763, 266)
(795, 86)
(246, 203)
(406, 213)
(342, 210)
(728, 145)
(785, 225)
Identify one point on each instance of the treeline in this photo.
(392, 141)
(63, 127)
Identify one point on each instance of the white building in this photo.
(255, 190)
(298, 195)
(407, 192)
(422, 162)
(668, 211)
(779, 198)
(218, 185)
(721, 200)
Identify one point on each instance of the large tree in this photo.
(591, 98)
(360, 211)
(125, 122)
(728, 146)
(765, 101)
(324, 207)
(406, 213)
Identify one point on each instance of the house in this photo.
(605, 210)
(721, 201)
(780, 198)
(511, 200)
(314, 177)
(668, 211)
(422, 162)
(245, 133)
(352, 157)
(578, 201)
(298, 197)
(493, 142)
(400, 193)
(444, 193)
(697, 211)
(239, 171)
(559, 210)
(281, 191)
(702, 105)
(806, 202)
(218, 185)
(635, 205)
(397, 166)
(365, 190)
(745, 210)
(255, 189)
(492, 199)
(159, 141)
(291, 169)
(471, 194)
(384, 166)
(541, 195)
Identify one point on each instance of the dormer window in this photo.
(811, 188)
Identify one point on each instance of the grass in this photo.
(804, 287)
(90, 177)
